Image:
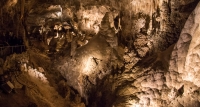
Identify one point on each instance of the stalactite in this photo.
(130, 10)
(151, 8)
(18, 8)
(22, 8)
(147, 7)
(21, 23)
(155, 2)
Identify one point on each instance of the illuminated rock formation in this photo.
(102, 53)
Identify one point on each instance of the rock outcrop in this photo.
(170, 78)
(114, 53)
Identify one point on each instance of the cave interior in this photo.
(99, 53)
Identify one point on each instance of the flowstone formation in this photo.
(28, 82)
(105, 53)
(93, 68)
(93, 61)
(168, 78)
(184, 69)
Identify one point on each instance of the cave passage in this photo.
(99, 53)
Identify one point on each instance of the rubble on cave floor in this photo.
(24, 82)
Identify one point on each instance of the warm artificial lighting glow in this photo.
(35, 73)
(96, 28)
(91, 18)
(88, 65)
(133, 104)
(88, 24)
(188, 77)
(145, 6)
(11, 3)
(59, 14)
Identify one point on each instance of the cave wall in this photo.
(132, 65)
(185, 63)
(169, 79)
(159, 21)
